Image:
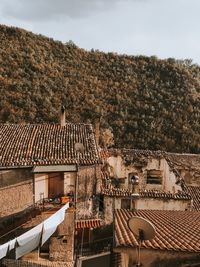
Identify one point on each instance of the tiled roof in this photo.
(194, 191)
(91, 223)
(119, 192)
(46, 144)
(116, 192)
(176, 161)
(175, 230)
(130, 154)
(161, 194)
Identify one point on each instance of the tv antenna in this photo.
(143, 229)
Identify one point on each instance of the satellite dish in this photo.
(79, 147)
(143, 229)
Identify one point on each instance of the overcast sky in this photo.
(165, 28)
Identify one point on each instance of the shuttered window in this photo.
(154, 177)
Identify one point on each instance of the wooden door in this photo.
(56, 184)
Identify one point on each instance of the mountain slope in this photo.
(147, 102)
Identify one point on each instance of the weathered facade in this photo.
(134, 180)
(177, 237)
(42, 163)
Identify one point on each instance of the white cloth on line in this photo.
(29, 241)
(50, 224)
(12, 243)
(3, 250)
(63, 209)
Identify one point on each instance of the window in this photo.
(154, 177)
(126, 204)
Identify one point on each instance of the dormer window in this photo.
(154, 177)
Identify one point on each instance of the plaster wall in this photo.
(191, 176)
(149, 256)
(69, 182)
(110, 204)
(119, 169)
(41, 186)
(116, 166)
(168, 178)
(161, 204)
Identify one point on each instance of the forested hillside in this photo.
(146, 102)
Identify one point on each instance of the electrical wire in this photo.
(21, 225)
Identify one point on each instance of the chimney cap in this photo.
(62, 108)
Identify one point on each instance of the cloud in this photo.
(42, 10)
(150, 27)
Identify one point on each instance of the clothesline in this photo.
(35, 237)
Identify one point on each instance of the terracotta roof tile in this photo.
(90, 223)
(194, 191)
(176, 161)
(119, 192)
(46, 144)
(175, 230)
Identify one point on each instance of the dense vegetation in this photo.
(146, 102)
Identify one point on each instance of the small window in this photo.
(154, 177)
(126, 204)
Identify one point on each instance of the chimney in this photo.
(62, 116)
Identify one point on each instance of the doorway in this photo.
(56, 184)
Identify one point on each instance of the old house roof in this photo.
(175, 230)
(46, 144)
(108, 189)
(194, 192)
(139, 157)
(90, 223)
(120, 192)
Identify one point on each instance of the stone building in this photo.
(142, 179)
(49, 163)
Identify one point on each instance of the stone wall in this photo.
(16, 198)
(149, 257)
(87, 185)
(108, 209)
(20, 263)
(62, 246)
(14, 176)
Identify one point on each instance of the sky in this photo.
(162, 28)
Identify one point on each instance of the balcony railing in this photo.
(95, 247)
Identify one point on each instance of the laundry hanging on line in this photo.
(28, 241)
(31, 239)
